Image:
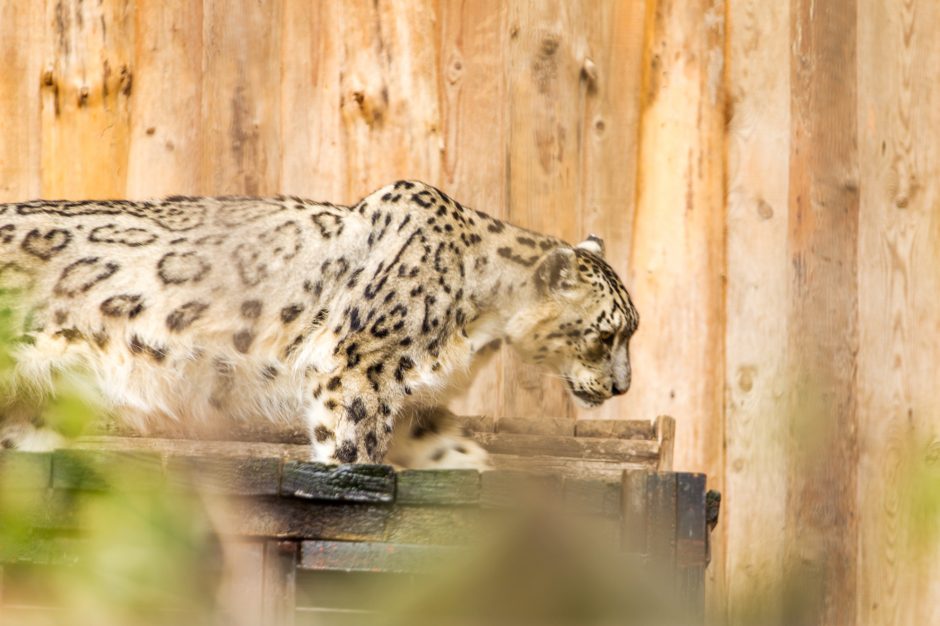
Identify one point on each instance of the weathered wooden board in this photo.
(473, 59)
(166, 143)
(898, 281)
(21, 27)
(438, 487)
(619, 429)
(756, 328)
(822, 250)
(623, 450)
(241, 104)
(346, 483)
(677, 256)
(375, 557)
(220, 475)
(87, 90)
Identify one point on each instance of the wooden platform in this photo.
(291, 520)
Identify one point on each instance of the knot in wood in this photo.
(589, 73)
(549, 44)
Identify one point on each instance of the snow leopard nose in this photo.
(616, 390)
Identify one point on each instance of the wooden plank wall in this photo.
(764, 173)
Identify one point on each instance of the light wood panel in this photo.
(756, 328)
(475, 131)
(611, 74)
(544, 152)
(677, 257)
(241, 96)
(166, 143)
(312, 145)
(87, 84)
(899, 279)
(390, 116)
(20, 31)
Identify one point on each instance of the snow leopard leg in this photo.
(431, 438)
(350, 421)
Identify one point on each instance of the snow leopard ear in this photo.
(556, 270)
(594, 245)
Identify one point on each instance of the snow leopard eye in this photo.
(607, 338)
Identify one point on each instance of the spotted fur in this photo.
(352, 317)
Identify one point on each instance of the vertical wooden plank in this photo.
(241, 96)
(88, 82)
(899, 279)
(690, 542)
(544, 157)
(750, 535)
(279, 588)
(165, 129)
(666, 435)
(20, 33)
(609, 102)
(240, 594)
(661, 523)
(678, 232)
(822, 530)
(474, 168)
(312, 142)
(634, 502)
(389, 101)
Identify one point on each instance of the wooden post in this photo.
(666, 435)
(822, 526)
(691, 541)
(279, 584)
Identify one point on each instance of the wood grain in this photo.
(241, 97)
(87, 89)
(20, 30)
(677, 255)
(311, 135)
(545, 39)
(755, 336)
(899, 279)
(166, 144)
(822, 530)
(390, 118)
(473, 90)
(611, 56)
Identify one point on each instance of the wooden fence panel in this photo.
(87, 85)
(388, 82)
(475, 130)
(755, 328)
(241, 96)
(822, 327)
(611, 71)
(312, 145)
(20, 30)
(899, 279)
(678, 233)
(544, 152)
(165, 155)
